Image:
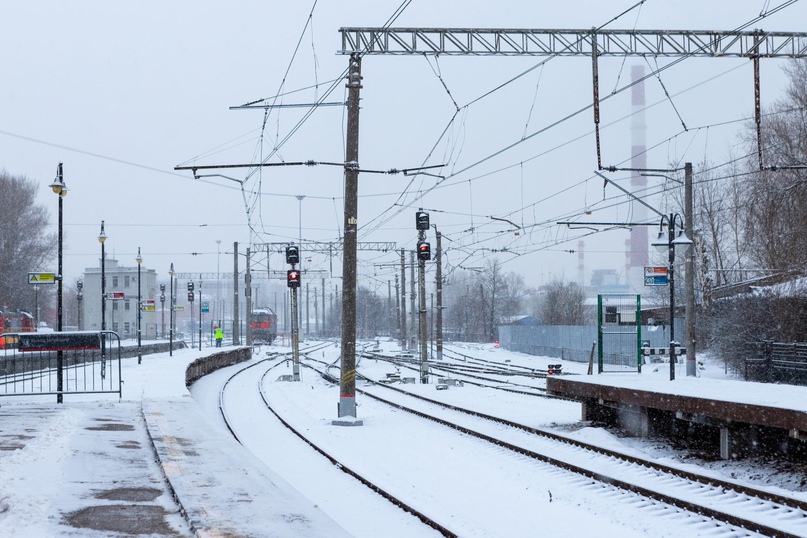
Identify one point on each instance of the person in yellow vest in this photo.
(219, 336)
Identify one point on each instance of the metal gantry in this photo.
(584, 42)
(589, 42)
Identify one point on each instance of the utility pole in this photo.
(412, 296)
(323, 306)
(404, 337)
(347, 383)
(397, 307)
(424, 254)
(424, 340)
(439, 283)
(236, 325)
(248, 292)
(295, 336)
(689, 278)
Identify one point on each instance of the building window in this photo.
(126, 306)
(126, 327)
(114, 305)
(126, 281)
(115, 326)
(114, 282)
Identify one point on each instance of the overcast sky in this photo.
(123, 92)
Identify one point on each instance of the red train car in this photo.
(264, 325)
(18, 321)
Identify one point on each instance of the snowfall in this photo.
(53, 463)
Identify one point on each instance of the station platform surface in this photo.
(150, 464)
(763, 404)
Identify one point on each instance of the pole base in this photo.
(347, 421)
(346, 409)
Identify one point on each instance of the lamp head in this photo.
(661, 243)
(59, 187)
(682, 243)
(139, 258)
(102, 235)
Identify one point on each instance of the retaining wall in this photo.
(205, 365)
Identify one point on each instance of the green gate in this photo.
(619, 333)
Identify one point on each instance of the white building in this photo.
(121, 311)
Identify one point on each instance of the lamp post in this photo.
(60, 189)
(101, 239)
(139, 260)
(171, 314)
(670, 244)
(218, 283)
(162, 307)
(79, 299)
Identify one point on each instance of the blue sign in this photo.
(205, 306)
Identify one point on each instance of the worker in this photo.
(219, 336)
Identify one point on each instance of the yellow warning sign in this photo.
(41, 278)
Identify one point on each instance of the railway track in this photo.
(745, 507)
(733, 509)
(319, 449)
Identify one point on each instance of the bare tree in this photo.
(563, 304)
(24, 245)
(775, 216)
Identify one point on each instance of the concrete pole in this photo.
(439, 282)
(236, 324)
(248, 292)
(404, 336)
(689, 279)
(347, 382)
(295, 336)
(412, 295)
(422, 335)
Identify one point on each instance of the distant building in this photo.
(519, 320)
(608, 281)
(121, 314)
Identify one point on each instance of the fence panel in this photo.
(85, 362)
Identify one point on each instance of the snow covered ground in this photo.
(470, 486)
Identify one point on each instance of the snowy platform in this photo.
(641, 403)
(222, 489)
(730, 401)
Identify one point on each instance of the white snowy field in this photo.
(469, 486)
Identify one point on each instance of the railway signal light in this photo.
(422, 220)
(424, 250)
(292, 255)
(190, 286)
(293, 278)
(190, 296)
(554, 369)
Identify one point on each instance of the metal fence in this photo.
(776, 362)
(60, 363)
(573, 342)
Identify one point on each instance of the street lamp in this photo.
(60, 189)
(79, 298)
(218, 314)
(171, 314)
(670, 243)
(139, 260)
(101, 239)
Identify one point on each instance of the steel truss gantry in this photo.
(590, 42)
(520, 42)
